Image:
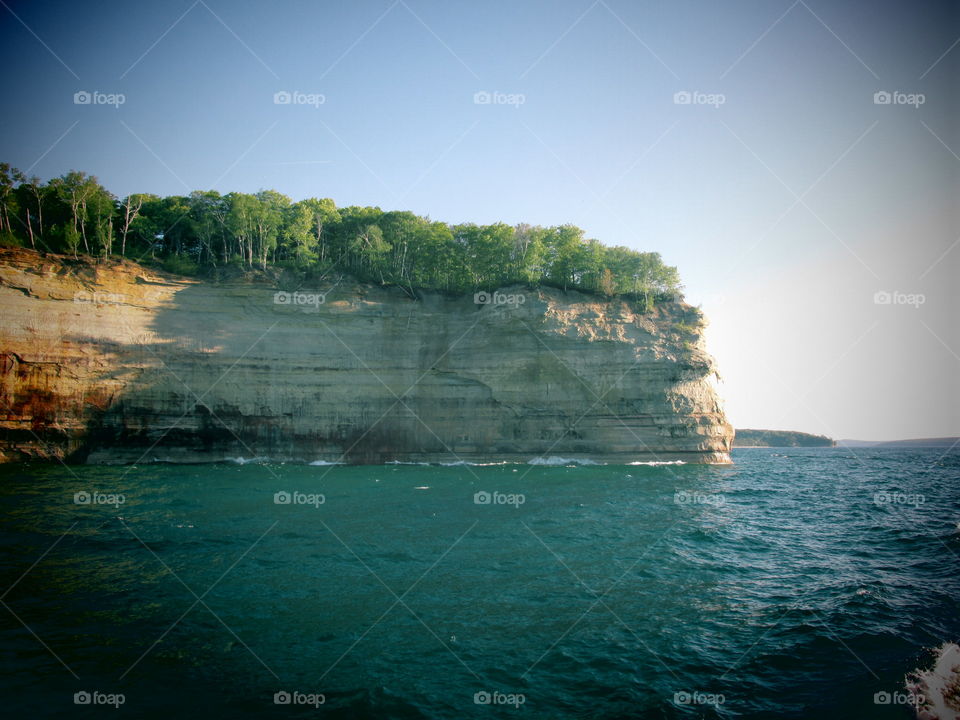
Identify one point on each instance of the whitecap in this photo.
(938, 685)
(556, 460)
(239, 460)
(655, 463)
(324, 463)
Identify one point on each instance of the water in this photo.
(778, 583)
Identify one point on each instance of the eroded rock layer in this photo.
(115, 363)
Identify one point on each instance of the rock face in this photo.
(115, 363)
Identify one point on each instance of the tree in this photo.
(529, 251)
(267, 219)
(100, 207)
(34, 193)
(323, 214)
(562, 254)
(240, 224)
(207, 213)
(75, 189)
(130, 208)
(297, 240)
(204, 229)
(10, 177)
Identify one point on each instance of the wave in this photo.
(456, 463)
(556, 460)
(936, 692)
(551, 461)
(244, 461)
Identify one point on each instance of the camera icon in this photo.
(282, 698)
(281, 498)
(683, 97)
(882, 97)
(482, 698)
(482, 298)
(81, 498)
(882, 297)
(882, 698)
(482, 98)
(282, 298)
(681, 698)
(82, 698)
(282, 98)
(482, 498)
(682, 497)
(82, 97)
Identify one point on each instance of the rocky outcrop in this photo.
(115, 363)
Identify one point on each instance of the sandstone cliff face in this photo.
(118, 364)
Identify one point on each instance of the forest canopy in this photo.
(203, 231)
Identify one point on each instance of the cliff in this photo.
(115, 363)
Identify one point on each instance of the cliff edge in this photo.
(116, 363)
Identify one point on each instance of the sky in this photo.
(799, 161)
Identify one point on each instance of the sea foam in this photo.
(556, 461)
(936, 692)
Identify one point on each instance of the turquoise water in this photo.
(781, 586)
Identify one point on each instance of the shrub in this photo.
(180, 265)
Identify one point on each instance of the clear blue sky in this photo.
(598, 141)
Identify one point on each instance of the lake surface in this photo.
(794, 583)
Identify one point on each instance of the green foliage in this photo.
(8, 239)
(206, 231)
(779, 438)
(180, 265)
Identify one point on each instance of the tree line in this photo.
(204, 231)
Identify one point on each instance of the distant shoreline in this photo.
(749, 437)
(941, 442)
